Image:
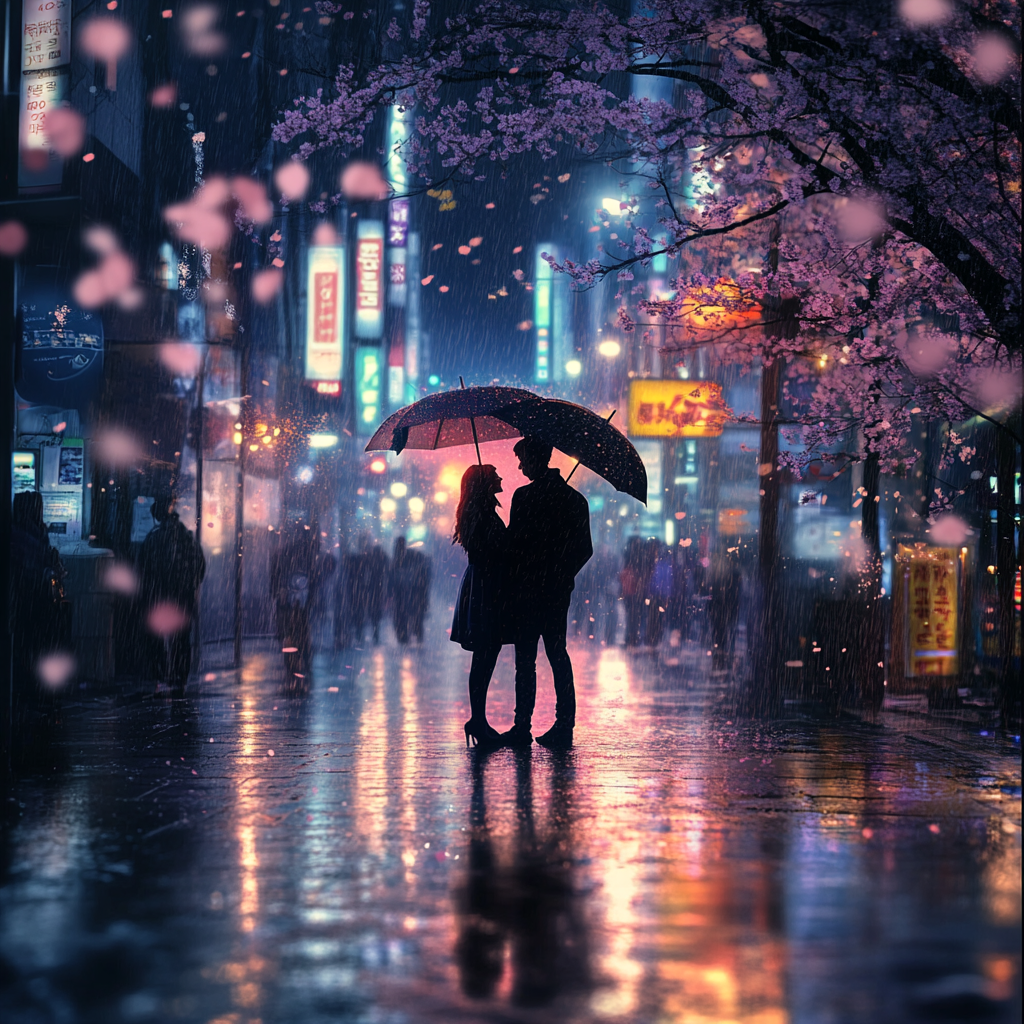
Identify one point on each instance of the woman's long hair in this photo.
(478, 497)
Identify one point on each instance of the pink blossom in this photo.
(252, 198)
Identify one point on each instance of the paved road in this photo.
(244, 855)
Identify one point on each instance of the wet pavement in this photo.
(248, 855)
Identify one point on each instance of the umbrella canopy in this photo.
(450, 418)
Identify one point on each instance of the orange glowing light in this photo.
(378, 466)
(721, 307)
(328, 387)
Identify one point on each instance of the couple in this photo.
(517, 589)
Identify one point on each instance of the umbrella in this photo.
(479, 414)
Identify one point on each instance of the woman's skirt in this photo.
(478, 620)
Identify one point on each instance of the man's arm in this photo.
(582, 546)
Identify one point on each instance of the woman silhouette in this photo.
(479, 613)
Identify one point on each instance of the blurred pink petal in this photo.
(181, 357)
(324, 234)
(13, 238)
(464, 250)
(949, 531)
(859, 220)
(292, 180)
(997, 389)
(56, 669)
(266, 284)
(363, 181)
(88, 290)
(164, 97)
(116, 447)
(198, 31)
(133, 298)
(925, 12)
(101, 239)
(106, 39)
(65, 129)
(199, 224)
(117, 273)
(993, 58)
(166, 618)
(121, 579)
(252, 197)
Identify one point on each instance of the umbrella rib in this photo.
(437, 436)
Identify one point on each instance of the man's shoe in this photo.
(558, 737)
(518, 737)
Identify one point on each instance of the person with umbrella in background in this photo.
(549, 542)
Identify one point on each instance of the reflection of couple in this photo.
(518, 587)
(527, 904)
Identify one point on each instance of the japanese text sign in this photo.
(675, 408)
(931, 594)
(325, 309)
(370, 280)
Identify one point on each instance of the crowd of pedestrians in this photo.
(662, 590)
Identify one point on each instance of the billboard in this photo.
(930, 590)
(325, 313)
(675, 408)
(369, 305)
(368, 389)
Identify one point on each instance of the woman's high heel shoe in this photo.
(484, 736)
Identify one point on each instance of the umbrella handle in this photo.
(472, 423)
(577, 466)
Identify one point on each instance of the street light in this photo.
(323, 440)
(609, 349)
(573, 367)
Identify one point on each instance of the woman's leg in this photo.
(480, 673)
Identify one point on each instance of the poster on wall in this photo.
(60, 356)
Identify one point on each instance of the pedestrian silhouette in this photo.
(549, 542)
(480, 623)
(171, 566)
(297, 572)
(36, 583)
(410, 591)
(371, 587)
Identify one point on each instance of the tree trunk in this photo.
(871, 657)
(763, 643)
(1007, 565)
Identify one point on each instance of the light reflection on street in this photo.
(672, 867)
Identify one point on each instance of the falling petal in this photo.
(925, 12)
(106, 39)
(181, 357)
(266, 284)
(65, 130)
(361, 180)
(252, 197)
(166, 618)
(13, 238)
(56, 669)
(121, 579)
(324, 234)
(292, 180)
(163, 97)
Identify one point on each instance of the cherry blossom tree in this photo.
(853, 169)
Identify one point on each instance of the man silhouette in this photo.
(549, 542)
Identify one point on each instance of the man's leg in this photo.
(526, 680)
(561, 670)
